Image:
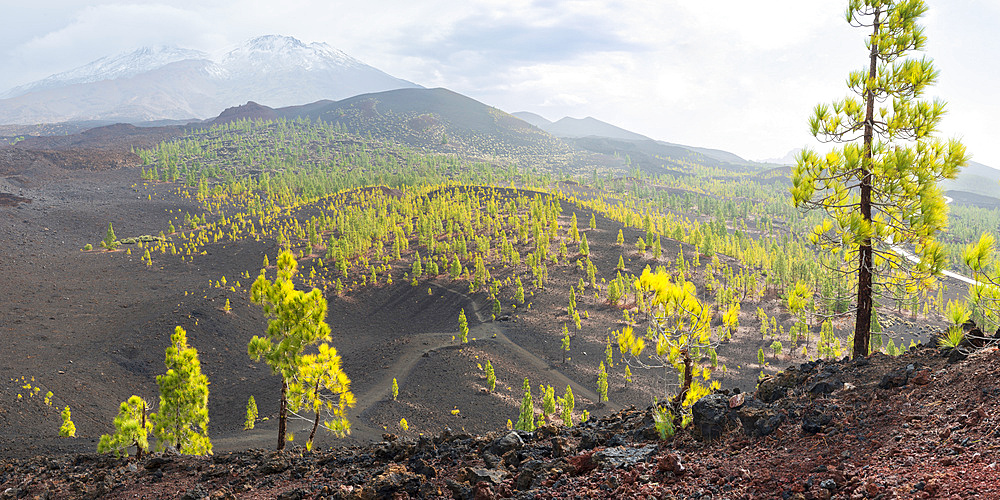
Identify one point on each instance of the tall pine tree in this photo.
(182, 419)
(879, 191)
(297, 320)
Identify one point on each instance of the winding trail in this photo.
(402, 366)
(913, 258)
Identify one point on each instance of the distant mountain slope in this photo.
(574, 128)
(651, 156)
(717, 154)
(532, 118)
(441, 120)
(579, 127)
(172, 83)
(976, 178)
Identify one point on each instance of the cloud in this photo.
(733, 74)
(101, 30)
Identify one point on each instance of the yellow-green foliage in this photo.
(297, 320)
(526, 419)
(68, 429)
(110, 242)
(322, 387)
(131, 429)
(681, 330)
(182, 419)
(463, 327)
(602, 383)
(491, 377)
(880, 189)
(663, 420)
(251, 418)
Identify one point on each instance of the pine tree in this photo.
(882, 191)
(565, 342)
(548, 401)
(395, 389)
(322, 386)
(608, 354)
(251, 418)
(620, 240)
(297, 320)
(491, 377)
(131, 429)
(584, 246)
(110, 240)
(68, 429)
(593, 222)
(182, 419)
(496, 308)
(628, 376)
(519, 292)
(463, 327)
(640, 246)
(566, 404)
(526, 420)
(602, 383)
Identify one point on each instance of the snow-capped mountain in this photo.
(123, 65)
(272, 53)
(156, 83)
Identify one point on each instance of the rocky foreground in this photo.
(921, 425)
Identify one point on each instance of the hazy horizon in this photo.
(734, 76)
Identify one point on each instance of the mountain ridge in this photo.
(171, 83)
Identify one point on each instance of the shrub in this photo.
(251, 414)
(68, 429)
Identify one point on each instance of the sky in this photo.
(737, 75)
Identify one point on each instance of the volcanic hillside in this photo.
(401, 239)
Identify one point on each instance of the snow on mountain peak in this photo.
(273, 52)
(174, 83)
(123, 65)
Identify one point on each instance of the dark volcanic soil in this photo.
(91, 327)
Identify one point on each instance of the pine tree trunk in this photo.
(688, 377)
(862, 323)
(138, 449)
(312, 433)
(282, 415)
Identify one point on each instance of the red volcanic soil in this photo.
(914, 426)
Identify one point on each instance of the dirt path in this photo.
(402, 367)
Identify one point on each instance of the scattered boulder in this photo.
(775, 387)
(815, 421)
(922, 377)
(562, 447)
(826, 382)
(396, 478)
(710, 416)
(526, 474)
(491, 476)
(621, 456)
(276, 465)
(510, 442)
(898, 377)
(671, 463)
